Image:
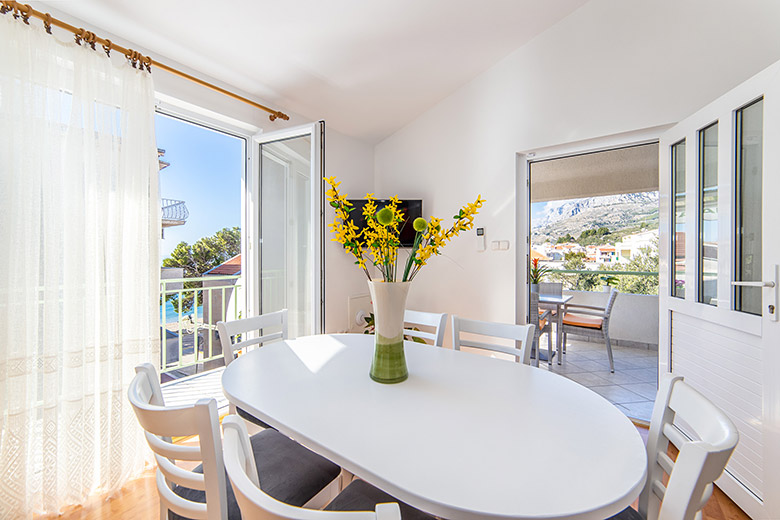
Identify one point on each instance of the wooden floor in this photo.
(138, 500)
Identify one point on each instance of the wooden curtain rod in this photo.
(25, 11)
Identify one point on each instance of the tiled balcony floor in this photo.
(631, 388)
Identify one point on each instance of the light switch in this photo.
(495, 245)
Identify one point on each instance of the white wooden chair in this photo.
(700, 461)
(358, 501)
(426, 319)
(522, 333)
(203, 492)
(230, 330)
(591, 321)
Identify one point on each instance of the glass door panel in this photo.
(749, 173)
(708, 215)
(286, 242)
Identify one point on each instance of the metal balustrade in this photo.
(184, 345)
(593, 280)
(174, 210)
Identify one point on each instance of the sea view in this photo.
(172, 314)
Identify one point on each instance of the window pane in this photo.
(678, 219)
(750, 138)
(286, 262)
(708, 216)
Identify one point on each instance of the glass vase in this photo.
(389, 300)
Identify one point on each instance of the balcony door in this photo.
(718, 294)
(285, 213)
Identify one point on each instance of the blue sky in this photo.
(205, 172)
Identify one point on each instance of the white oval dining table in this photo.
(465, 437)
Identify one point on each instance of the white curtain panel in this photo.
(79, 273)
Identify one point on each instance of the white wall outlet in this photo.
(358, 308)
(504, 245)
(495, 245)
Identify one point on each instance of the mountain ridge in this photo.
(619, 213)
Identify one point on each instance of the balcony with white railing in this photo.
(189, 311)
(174, 213)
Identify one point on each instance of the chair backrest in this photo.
(229, 329)
(551, 288)
(522, 333)
(160, 423)
(427, 319)
(533, 309)
(613, 294)
(700, 461)
(255, 503)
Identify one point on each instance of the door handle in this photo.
(774, 306)
(753, 284)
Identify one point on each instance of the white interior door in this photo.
(286, 228)
(720, 251)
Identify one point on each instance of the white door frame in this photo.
(523, 193)
(734, 328)
(252, 218)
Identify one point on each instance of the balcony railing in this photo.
(633, 282)
(188, 331)
(174, 211)
(190, 309)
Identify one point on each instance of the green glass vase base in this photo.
(389, 363)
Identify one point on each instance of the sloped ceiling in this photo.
(368, 67)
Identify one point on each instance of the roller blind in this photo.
(624, 170)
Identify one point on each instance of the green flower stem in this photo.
(412, 254)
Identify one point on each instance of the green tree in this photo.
(565, 239)
(584, 281)
(647, 261)
(203, 255)
(595, 236)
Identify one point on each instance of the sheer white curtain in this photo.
(79, 227)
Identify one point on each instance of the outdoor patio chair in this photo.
(699, 463)
(590, 321)
(203, 492)
(522, 333)
(552, 289)
(358, 501)
(234, 337)
(542, 321)
(426, 319)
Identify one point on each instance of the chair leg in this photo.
(609, 353)
(536, 346)
(550, 347)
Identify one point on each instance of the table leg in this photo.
(558, 335)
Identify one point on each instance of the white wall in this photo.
(348, 158)
(612, 66)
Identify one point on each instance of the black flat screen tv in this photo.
(411, 208)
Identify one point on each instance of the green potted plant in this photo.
(536, 274)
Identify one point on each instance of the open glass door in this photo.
(718, 292)
(285, 241)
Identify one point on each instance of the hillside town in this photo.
(597, 256)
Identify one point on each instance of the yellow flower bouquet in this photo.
(378, 242)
